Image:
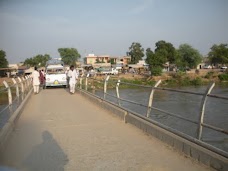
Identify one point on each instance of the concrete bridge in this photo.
(59, 131)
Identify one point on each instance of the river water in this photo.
(186, 105)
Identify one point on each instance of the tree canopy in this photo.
(136, 52)
(156, 60)
(219, 54)
(169, 52)
(69, 55)
(187, 56)
(3, 60)
(38, 60)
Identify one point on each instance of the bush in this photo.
(156, 71)
(184, 81)
(209, 75)
(170, 82)
(197, 81)
(179, 75)
(223, 77)
(197, 71)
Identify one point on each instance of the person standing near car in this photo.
(36, 80)
(42, 79)
(73, 76)
(67, 78)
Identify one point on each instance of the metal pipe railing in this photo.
(200, 122)
(192, 139)
(202, 111)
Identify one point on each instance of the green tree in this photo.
(219, 54)
(169, 48)
(156, 60)
(29, 62)
(188, 56)
(136, 52)
(38, 60)
(69, 55)
(3, 60)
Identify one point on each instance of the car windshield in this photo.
(55, 71)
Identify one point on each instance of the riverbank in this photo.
(171, 79)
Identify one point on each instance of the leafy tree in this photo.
(136, 52)
(219, 54)
(38, 60)
(188, 56)
(3, 60)
(168, 47)
(69, 55)
(156, 60)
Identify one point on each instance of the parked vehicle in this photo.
(223, 68)
(207, 67)
(111, 71)
(14, 73)
(55, 75)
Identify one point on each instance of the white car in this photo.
(207, 67)
(224, 68)
(111, 71)
(55, 76)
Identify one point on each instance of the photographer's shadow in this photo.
(46, 156)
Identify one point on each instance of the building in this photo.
(125, 59)
(92, 59)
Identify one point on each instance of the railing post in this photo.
(9, 94)
(29, 82)
(86, 82)
(22, 87)
(25, 84)
(17, 89)
(151, 99)
(202, 106)
(117, 92)
(105, 85)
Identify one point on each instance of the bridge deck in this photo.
(58, 131)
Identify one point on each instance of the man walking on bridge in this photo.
(73, 75)
(36, 80)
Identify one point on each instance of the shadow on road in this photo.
(46, 156)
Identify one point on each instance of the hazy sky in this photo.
(31, 27)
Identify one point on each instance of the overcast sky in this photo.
(31, 27)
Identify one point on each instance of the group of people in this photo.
(38, 78)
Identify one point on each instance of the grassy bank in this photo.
(168, 80)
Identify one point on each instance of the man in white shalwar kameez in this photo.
(36, 80)
(73, 76)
